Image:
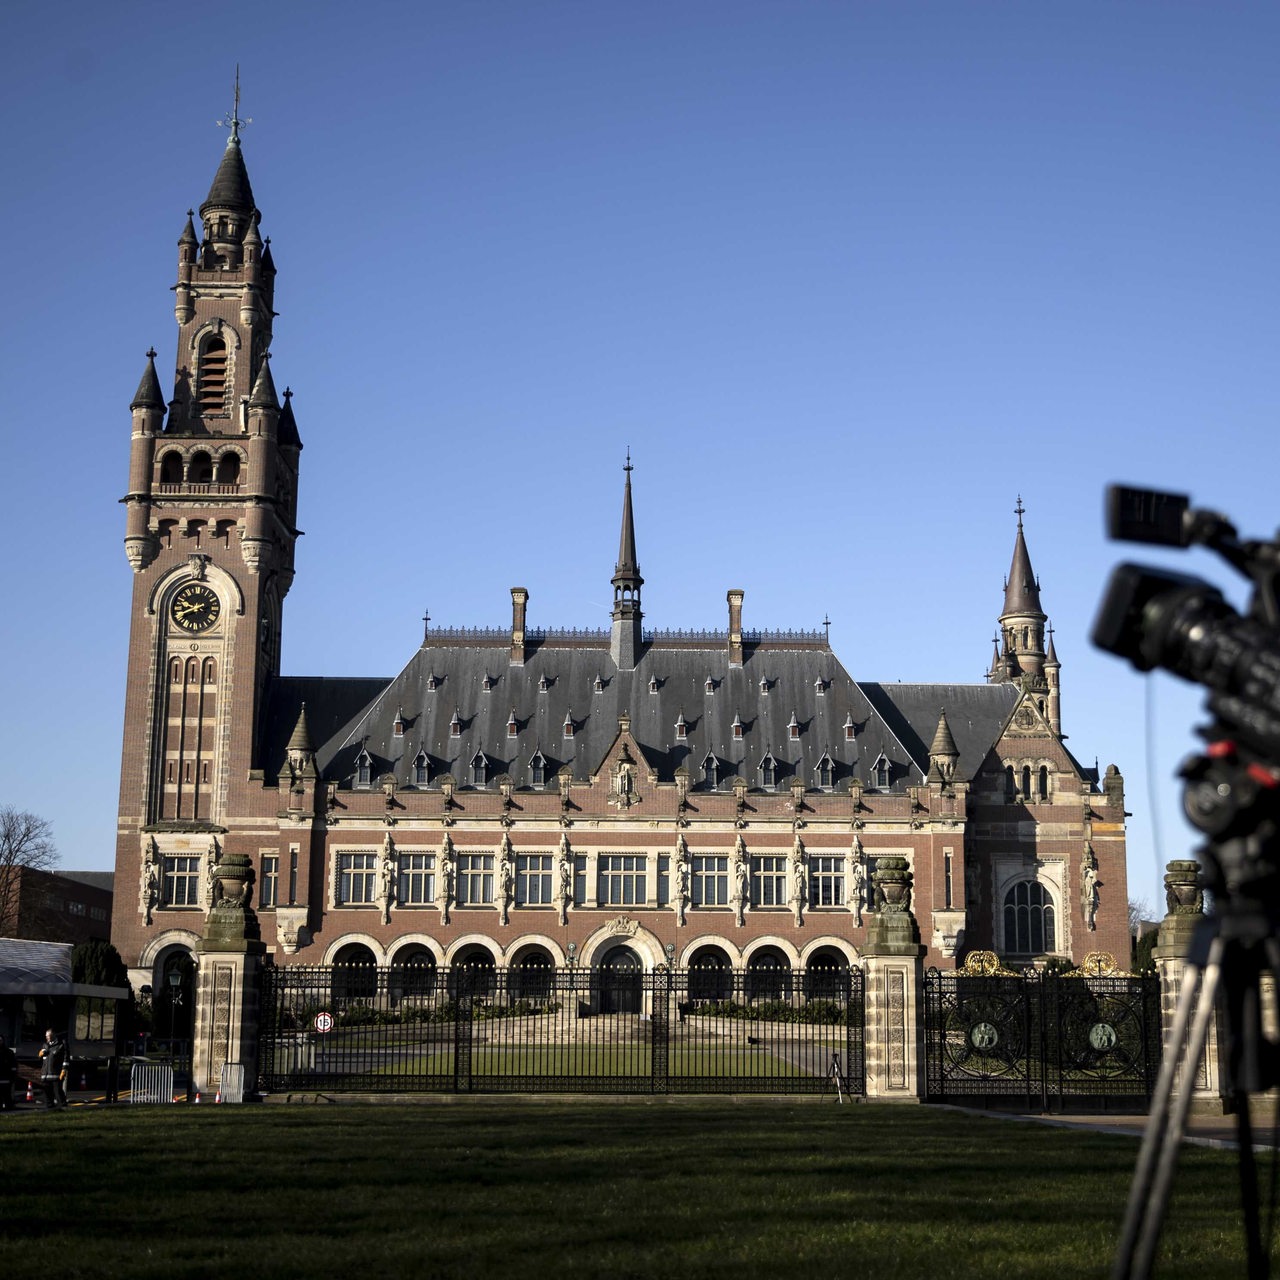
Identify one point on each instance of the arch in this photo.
(200, 468)
(710, 973)
(531, 975)
(646, 944)
(852, 956)
(173, 998)
(620, 975)
(226, 586)
(769, 975)
(826, 974)
(411, 974)
(730, 949)
(154, 950)
(410, 942)
(171, 467)
(1043, 788)
(347, 939)
(355, 975)
(472, 971)
(775, 942)
(211, 375)
(1029, 917)
(228, 471)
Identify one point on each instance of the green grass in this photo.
(586, 1060)
(519, 1188)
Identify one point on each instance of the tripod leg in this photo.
(1158, 1155)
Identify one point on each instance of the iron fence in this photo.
(532, 1029)
(1042, 1041)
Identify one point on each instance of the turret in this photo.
(147, 407)
(944, 755)
(1052, 670)
(1022, 621)
(625, 638)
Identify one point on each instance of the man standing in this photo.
(53, 1070)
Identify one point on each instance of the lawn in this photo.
(517, 1188)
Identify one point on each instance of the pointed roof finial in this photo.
(1019, 511)
(148, 395)
(627, 571)
(233, 121)
(301, 739)
(1021, 590)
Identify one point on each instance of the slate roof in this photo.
(230, 189)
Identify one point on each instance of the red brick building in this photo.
(614, 799)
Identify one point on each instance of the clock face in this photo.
(195, 607)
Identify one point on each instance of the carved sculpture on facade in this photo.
(387, 878)
(445, 888)
(210, 861)
(741, 881)
(1089, 887)
(149, 881)
(506, 878)
(799, 881)
(857, 881)
(564, 877)
(680, 896)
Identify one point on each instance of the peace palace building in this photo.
(615, 800)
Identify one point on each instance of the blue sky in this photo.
(847, 279)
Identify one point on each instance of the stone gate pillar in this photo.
(1184, 900)
(230, 964)
(894, 975)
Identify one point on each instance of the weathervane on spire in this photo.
(628, 467)
(1019, 511)
(233, 121)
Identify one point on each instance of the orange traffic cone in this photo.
(197, 1095)
(218, 1098)
(29, 1097)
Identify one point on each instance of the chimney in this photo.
(735, 627)
(519, 599)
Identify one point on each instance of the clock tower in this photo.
(210, 533)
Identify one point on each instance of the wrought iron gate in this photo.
(1043, 1042)
(358, 1028)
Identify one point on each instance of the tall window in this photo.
(710, 877)
(475, 879)
(269, 883)
(621, 880)
(1028, 920)
(533, 879)
(357, 879)
(826, 882)
(213, 376)
(768, 771)
(182, 881)
(826, 772)
(770, 875)
(417, 886)
(711, 770)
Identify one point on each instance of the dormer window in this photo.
(538, 769)
(479, 770)
(421, 770)
(848, 727)
(820, 688)
(764, 686)
(364, 769)
(431, 683)
(597, 685)
(682, 729)
(710, 686)
(543, 686)
(880, 772)
(568, 724)
(737, 725)
(653, 684)
(710, 770)
(487, 683)
(826, 772)
(512, 727)
(455, 726)
(793, 727)
(768, 771)
(397, 725)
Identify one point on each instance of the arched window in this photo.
(171, 468)
(1010, 786)
(229, 468)
(768, 976)
(364, 769)
(1029, 920)
(1026, 782)
(532, 975)
(1044, 782)
(711, 770)
(538, 769)
(473, 973)
(479, 769)
(882, 773)
(421, 769)
(826, 772)
(768, 771)
(200, 468)
(413, 975)
(710, 975)
(210, 673)
(355, 975)
(213, 377)
(827, 975)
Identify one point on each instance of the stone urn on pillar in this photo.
(892, 924)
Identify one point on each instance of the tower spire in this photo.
(1022, 620)
(624, 643)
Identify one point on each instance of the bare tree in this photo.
(1140, 917)
(26, 840)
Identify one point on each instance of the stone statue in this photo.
(681, 894)
(1089, 888)
(210, 861)
(445, 888)
(741, 881)
(506, 879)
(564, 869)
(799, 882)
(149, 883)
(387, 879)
(857, 889)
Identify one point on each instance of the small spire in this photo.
(1022, 591)
(264, 389)
(287, 427)
(231, 189)
(148, 395)
(301, 739)
(627, 571)
(1051, 654)
(188, 235)
(944, 743)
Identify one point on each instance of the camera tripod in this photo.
(1230, 952)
